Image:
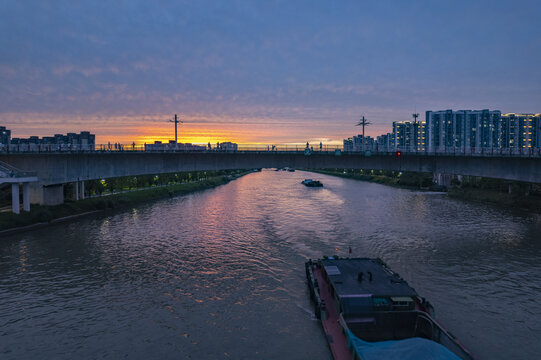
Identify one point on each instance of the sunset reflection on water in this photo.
(221, 271)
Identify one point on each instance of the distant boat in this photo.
(311, 183)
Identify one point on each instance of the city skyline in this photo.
(259, 73)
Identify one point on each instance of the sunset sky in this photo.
(260, 71)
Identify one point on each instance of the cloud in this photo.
(86, 71)
(308, 67)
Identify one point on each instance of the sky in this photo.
(268, 72)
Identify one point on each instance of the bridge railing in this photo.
(8, 171)
(292, 148)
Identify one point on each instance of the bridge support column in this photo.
(26, 196)
(76, 186)
(443, 179)
(82, 190)
(53, 194)
(46, 195)
(15, 205)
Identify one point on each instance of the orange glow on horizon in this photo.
(195, 129)
(236, 133)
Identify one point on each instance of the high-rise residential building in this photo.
(420, 129)
(409, 136)
(520, 131)
(356, 143)
(385, 143)
(463, 130)
(466, 131)
(348, 144)
(84, 139)
(5, 135)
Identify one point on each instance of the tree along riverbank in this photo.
(510, 194)
(40, 215)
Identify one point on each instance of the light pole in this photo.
(363, 122)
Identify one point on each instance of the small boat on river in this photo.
(369, 312)
(311, 183)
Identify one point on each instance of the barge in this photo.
(311, 183)
(369, 312)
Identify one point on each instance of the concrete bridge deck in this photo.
(55, 169)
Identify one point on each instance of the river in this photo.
(219, 274)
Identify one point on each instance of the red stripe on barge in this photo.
(333, 331)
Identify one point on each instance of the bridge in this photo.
(51, 171)
(12, 175)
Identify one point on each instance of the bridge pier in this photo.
(47, 194)
(15, 205)
(79, 190)
(15, 197)
(443, 179)
(26, 196)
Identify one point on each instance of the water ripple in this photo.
(219, 274)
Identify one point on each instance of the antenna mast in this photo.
(415, 130)
(176, 121)
(363, 122)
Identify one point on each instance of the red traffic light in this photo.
(398, 153)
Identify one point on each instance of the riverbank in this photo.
(529, 203)
(416, 181)
(41, 216)
(488, 191)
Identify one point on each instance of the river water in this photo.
(219, 274)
